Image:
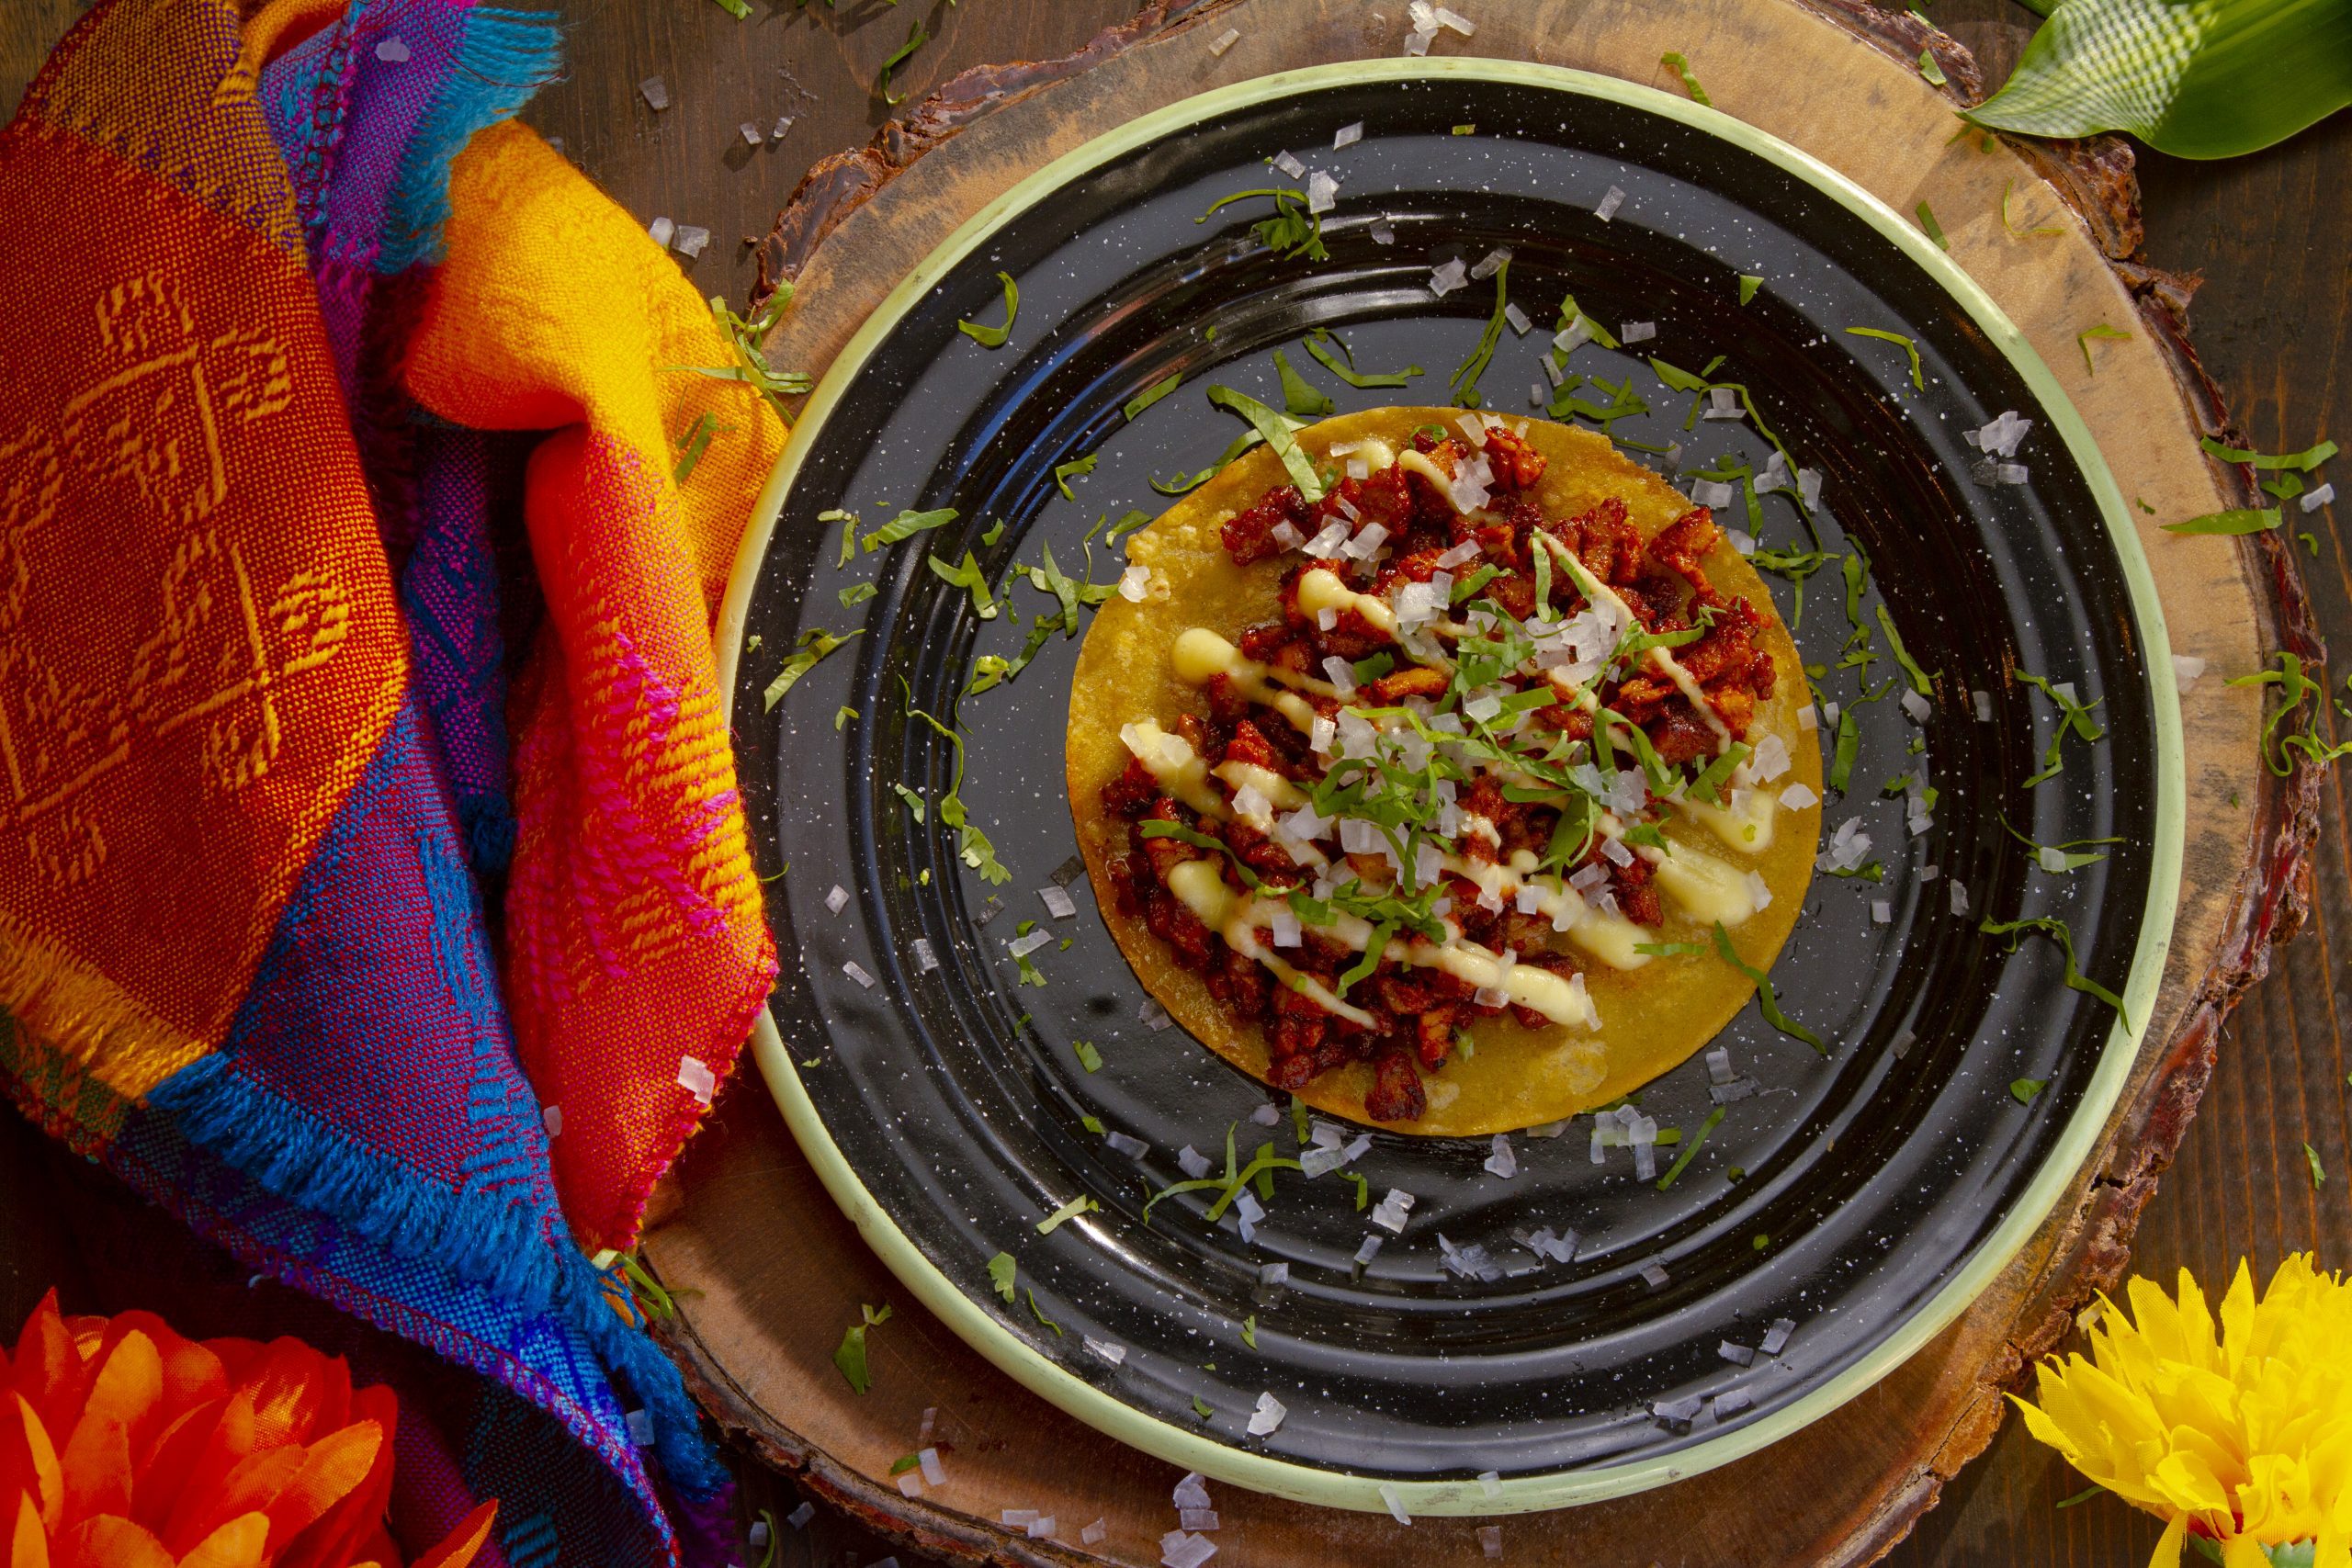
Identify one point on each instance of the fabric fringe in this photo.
(506, 58)
(491, 1245)
(87, 1016)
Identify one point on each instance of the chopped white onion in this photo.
(1059, 904)
(1127, 1143)
(1518, 319)
(1113, 1354)
(798, 1518)
(1190, 1492)
(1490, 1540)
(1445, 279)
(1502, 1162)
(930, 1467)
(1224, 41)
(1154, 1017)
(850, 967)
(1289, 165)
(1369, 1248)
(836, 899)
(1178, 1550)
(656, 93)
(1454, 19)
(1092, 1534)
(1286, 535)
(1135, 583)
(1882, 912)
(1609, 205)
(662, 231)
(552, 1118)
(1737, 1354)
(1656, 1275)
(1731, 1402)
(1982, 702)
(2314, 499)
(1382, 234)
(1196, 1518)
(393, 50)
(1192, 1162)
(1636, 332)
(1322, 192)
(1390, 1213)
(1267, 1417)
(1347, 136)
(691, 242)
(1776, 1338)
(1712, 493)
(1808, 720)
(1916, 707)
(2186, 668)
(1022, 946)
(1959, 898)
(697, 1078)
(1395, 1504)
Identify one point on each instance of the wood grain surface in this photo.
(2269, 233)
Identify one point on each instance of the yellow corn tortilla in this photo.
(1652, 1018)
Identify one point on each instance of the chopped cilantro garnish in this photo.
(1152, 394)
(2237, 520)
(2056, 931)
(1062, 472)
(2071, 852)
(1767, 1001)
(1868, 871)
(2073, 719)
(1749, 283)
(968, 576)
(2305, 460)
(1293, 229)
(1088, 1056)
(1933, 230)
(856, 593)
(1928, 69)
(1850, 745)
(1673, 949)
(1128, 523)
(1690, 1150)
(850, 1357)
(973, 848)
(1070, 1209)
(1201, 1407)
(915, 808)
(906, 525)
(1363, 1189)
(2295, 688)
(905, 1463)
(1301, 398)
(1249, 1331)
(1920, 679)
(1275, 431)
(994, 337)
(1910, 349)
(1320, 343)
(815, 643)
(2102, 332)
(2008, 190)
(1039, 1312)
(848, 519)
(751, 368)
(1464, 381)
(2319, 1172)
(2286, 484)
(917, 36)
(1682, 68)
(693, 444)
(2025, 1091)
(994, 531)
(843, 715)
(1475, 582)
(1000, 1271)
(1093, 1124)
(1709, 785)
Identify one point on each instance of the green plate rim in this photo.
(1307, 1483)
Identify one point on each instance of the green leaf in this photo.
(1690, 83)
(815, 643)
(1766, 1001)
(1000, 1271)
(1933, 230)
(2238, 520)
(1317, 341)
(905, 1463)
(917, 36)
(1201, 1407)
(1152, 394)
(1062, 472)
(2319, 1172)
(1293, 229)
(848, 519)
(850, 1357)
(693, 445)
(856, 593)
(2025, 1091)
(1464, 381)
(2056, 931)
(2008, 190)
(1918, 678)
(2195, 78)
(1088, 1056)
(1039, 1312)
(1749, 283)
(1930, 69)
(2309, 458)
(994, 337)
(1274, 429)
(2102, 332)
(1076, 1206)
(1690, 1149)
(2073, 719)
(738, 10)
(967, 575)
(2295, 688)
(906, 525)
(1249, 1331)
(1301, 398)
(1909, 348)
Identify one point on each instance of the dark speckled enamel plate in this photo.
(1865, 1197)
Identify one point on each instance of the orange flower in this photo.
(124, 1446)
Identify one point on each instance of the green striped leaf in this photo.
(2195, 78)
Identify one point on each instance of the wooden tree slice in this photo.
(780, 1271)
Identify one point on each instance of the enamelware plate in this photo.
(1862, 1199)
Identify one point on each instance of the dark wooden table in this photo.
(2270, 234)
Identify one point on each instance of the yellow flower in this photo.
(2242, 1437)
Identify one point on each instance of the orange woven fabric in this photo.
(635, 936)
(199, 649)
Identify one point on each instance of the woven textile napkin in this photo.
(373, 885)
